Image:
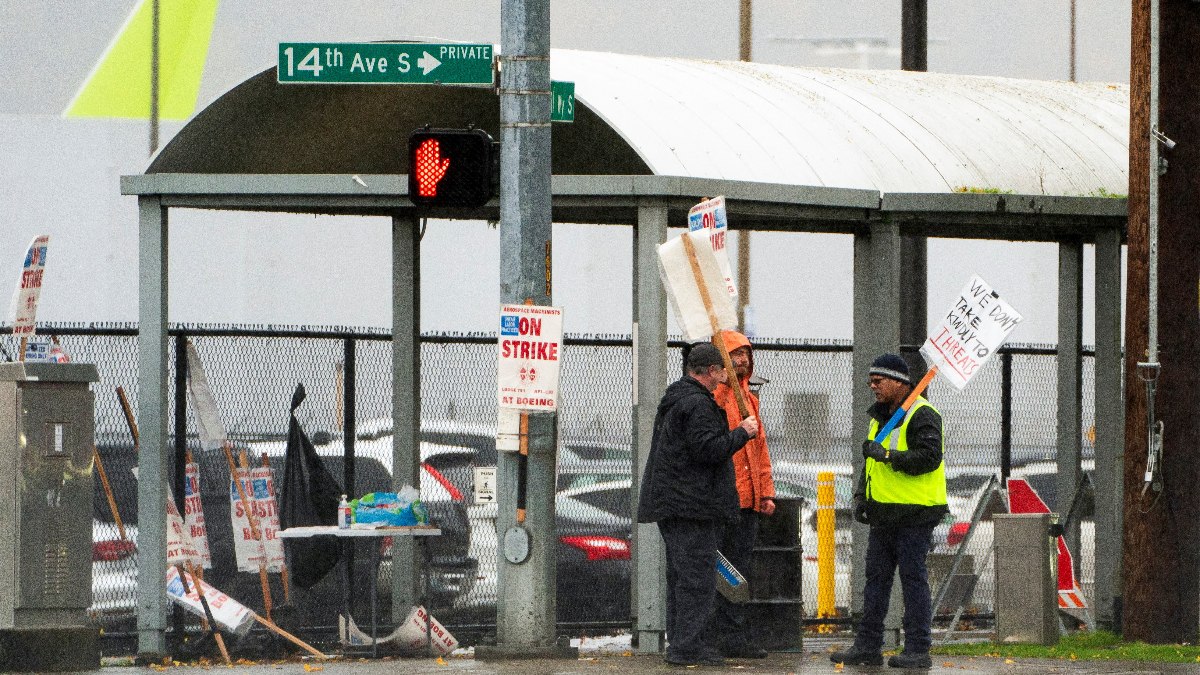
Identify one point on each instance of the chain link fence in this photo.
(806, 407)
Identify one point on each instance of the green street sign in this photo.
(562, 101)
(384, 63)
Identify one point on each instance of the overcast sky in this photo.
(61, 175)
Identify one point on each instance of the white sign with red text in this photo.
(710, 215)
(29, 288)
(193, 513)
(181, 550)
(528, 360)
(970, 332)
(254, 552)
(227, 612)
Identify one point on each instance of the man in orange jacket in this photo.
(756, 494)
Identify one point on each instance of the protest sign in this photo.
(253, 553)
(529, 357)
(29, 288)
(208, 419)
(181, 550)
(977, 323)
(193, 513)
(709, 215)
(227, 612)
(693, 285)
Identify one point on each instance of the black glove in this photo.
(875, 451)
(860, 511)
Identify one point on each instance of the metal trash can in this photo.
(776, 606)
(47, 430)
(1026, 578)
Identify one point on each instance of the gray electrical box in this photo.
(1026, 578)
(47, 431)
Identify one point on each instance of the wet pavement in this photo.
(605, 658)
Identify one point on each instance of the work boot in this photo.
(858, 657)
(911, 660)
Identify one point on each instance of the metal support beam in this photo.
(1110, 431)
(649, 381)
(876, 330)
(152, 419)
(406, 396)
(1070, 385)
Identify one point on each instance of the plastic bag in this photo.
(390, 508)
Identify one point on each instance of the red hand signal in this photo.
(430, 168)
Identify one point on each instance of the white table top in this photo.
(360, 531)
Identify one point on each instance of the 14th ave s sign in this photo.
(385, 63)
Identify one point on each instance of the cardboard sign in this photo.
(208, 419)
(29, 288)
(181, 550)
(227, 612)
(411, 635)
(251, 552)
(970, 332)
(687, 300)
(529, 357)
(710, 215)
(193, 513)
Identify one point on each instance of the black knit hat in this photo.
(891, 365)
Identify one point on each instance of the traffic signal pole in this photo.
(525, 612)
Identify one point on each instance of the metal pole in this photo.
(1071, 72)
(1005, 417)
(745, 48)
(526, 607)
(180, 423)
(154, 20)
(914, 35)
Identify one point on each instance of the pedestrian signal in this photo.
(450, 167)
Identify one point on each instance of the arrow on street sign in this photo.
(385, 63)
(485, 484)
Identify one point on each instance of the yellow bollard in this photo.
(825, 546)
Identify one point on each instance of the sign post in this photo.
(385, 63)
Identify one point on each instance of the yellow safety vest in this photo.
(889, 486)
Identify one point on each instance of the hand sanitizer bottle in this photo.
(343, 514)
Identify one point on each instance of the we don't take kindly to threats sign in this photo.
(528, 361)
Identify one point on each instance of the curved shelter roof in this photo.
(890, 131)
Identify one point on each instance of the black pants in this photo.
(691, 585)
(887, 549)
(731, 624)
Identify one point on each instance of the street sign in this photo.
(384, 63)
(562, 101)
(485, 484)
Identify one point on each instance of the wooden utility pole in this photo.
(1161, 595)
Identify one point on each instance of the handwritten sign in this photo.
(710, 215)
(977, 323)
(528, 360)
(29, 288)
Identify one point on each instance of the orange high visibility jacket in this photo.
(751, 464)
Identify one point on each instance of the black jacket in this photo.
(689, 473)
(924, 454)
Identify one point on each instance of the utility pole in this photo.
(1071, 58)
(745, 42)
(525, 611)
(1161, 594)
(914, 56)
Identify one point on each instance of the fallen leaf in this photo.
(1009, 662)
(441, 661)
(626, 653)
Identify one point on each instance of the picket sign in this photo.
(974, 327)
(679, 273)
(181, 550)
(204, 405)
(709, 215)
(267, 549)
(193, 513)
(29, 288)
(229, 614)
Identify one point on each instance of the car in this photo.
(114, 576)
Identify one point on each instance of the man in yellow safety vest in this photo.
(902, 496)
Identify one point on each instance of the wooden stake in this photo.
(24, 344)
(108, 493)
(717, 340)
(204, 624)
(288, 636)
(130, 421)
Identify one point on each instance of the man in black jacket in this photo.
(688, 489)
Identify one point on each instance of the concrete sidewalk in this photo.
(814, 659)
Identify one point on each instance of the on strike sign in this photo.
(25, 300)
(528, 359)
(710, 214)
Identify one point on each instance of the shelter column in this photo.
(152, 417)
(649, 381)
(877, 291)
(1110, 431)
(1070, 385)
(406, 395)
